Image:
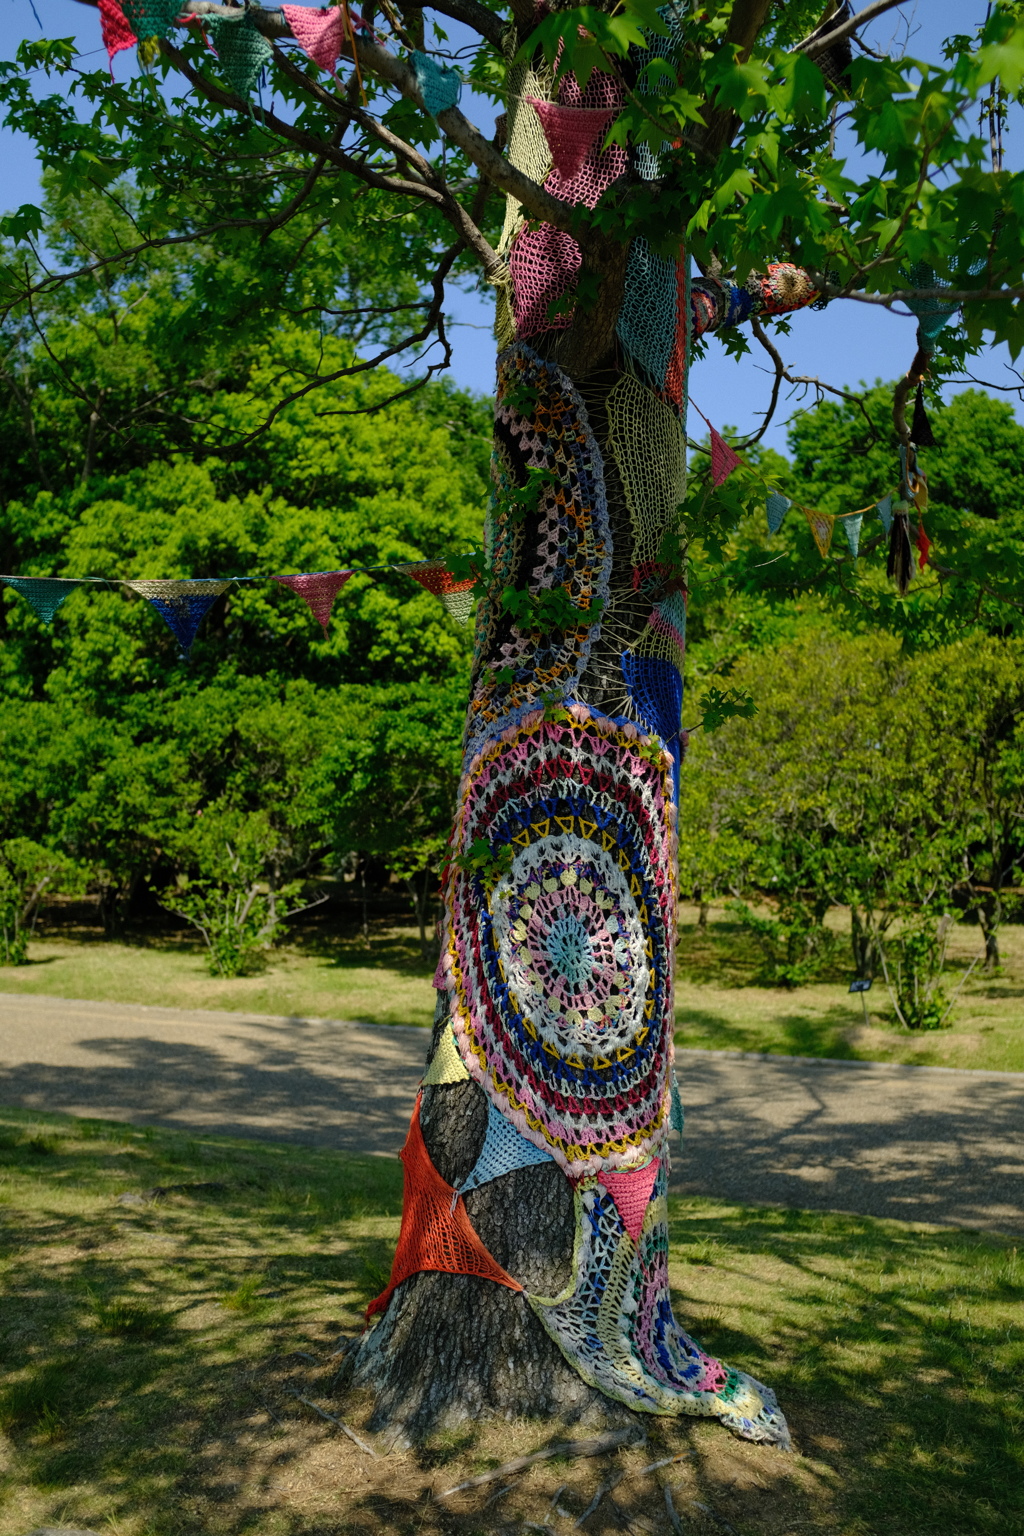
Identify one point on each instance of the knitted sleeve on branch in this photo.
(716, 303)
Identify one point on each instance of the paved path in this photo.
(917, 1143)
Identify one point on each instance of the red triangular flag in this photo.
(457, 596)
(924, 545)
(570, 132)
(320, 34)
(631, 1188)
(723, 459)
(117, 34)
(433, 1236)
(318, 589)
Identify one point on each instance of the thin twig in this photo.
(598, 1496)
(340, 1423)
(567, 1448)
(670, 1509)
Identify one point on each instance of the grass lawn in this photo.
(165, 1298)
(337, 975)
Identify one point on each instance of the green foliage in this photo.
(27, 872)
(491, 864)
(550, 608)
(913, 964)
(793, 944)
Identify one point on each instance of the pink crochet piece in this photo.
(570, 132)
(117, 34)
(318, 589)
(723, 459)
(631, 1191)
(544, 263)
(319, 33)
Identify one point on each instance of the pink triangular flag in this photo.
(117, 33)
(570, 132)
(318, 589)
(723, 459)
(631, 1190)
(320, 34)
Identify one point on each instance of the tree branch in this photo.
(814, 45)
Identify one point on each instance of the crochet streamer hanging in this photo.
(446, 1065)
(320, 34)
(433, 1235)
(318, 589)
(44, 594)
(504, 1151)
(440, 88)
(117, 34)
(614, 1325)
(559, 972)
(181, 604)
(723, 459)
(242, 51)
(776, 507)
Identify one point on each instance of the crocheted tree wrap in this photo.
(181, 604)
(242, 51)
(559, 967)
(541, 424)
(318, 589)
(44, 594)
(320, 34)
(117, 34)
(631, 1189)
(435, 1234)
(650, 452)
(571, 133)
(614, 1324)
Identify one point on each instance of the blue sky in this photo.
(844, 345)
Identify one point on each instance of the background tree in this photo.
(557, 955)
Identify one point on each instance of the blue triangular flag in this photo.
(44, 593)
(440, 88)
(181, 604)
(677, 1118)
(776, 506)
(505, 1149)
(851, 527)
(885, 512)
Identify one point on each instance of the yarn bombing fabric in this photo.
(570, 133)
(44, 594)
(319, 33)
(181, 604)
(117, 34)
(559, 974)
(457, 596)
(504, 1151)
(318, 589)
(151, 18)
(242, 50)
(440, 88)
(723, 458)
(436, 1232)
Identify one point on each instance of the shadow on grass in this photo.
(137, 1389)
(897, 1355)
(787, 1034)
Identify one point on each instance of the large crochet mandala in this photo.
(558, 958)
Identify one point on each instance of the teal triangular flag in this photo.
(44, 593)
(440, 88)
(851, 527)
(776, 506)
(885, 512)
(151, 18)
(242, 51)
(677, 1119)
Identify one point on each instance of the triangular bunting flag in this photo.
(151, 18)
(776, 506)
(505, 1149)
(570, 132)
(440, 88)
(921, 428)
(924, 545)
(885, 512)
(852, 527)
(446, 1065)
(242, 50)
(631, 1190)
(433, 1236)
(821, 525)
(457, 596)
(318, 589)
(320, 34)
(723, 459)
(677, 1117)
(182, 605)
(44, 594)
(117, 34)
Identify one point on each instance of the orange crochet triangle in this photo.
(433, 1236)
(631, 1190)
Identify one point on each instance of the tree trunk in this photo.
(550, 1087)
